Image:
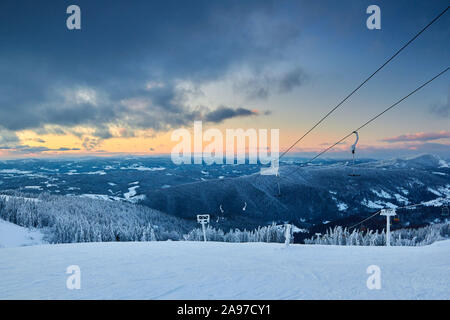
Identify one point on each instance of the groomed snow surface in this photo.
(12, 235)
(196, 270)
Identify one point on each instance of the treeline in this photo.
(401, 237)
(66, 219)
(271, 233)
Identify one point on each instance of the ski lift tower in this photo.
(388, 213)
(287, 234)
(203, 219)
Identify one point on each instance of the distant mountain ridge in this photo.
(309, 194)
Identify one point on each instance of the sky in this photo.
(138, 70)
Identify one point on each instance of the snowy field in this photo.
(12, 235)
(195, 270)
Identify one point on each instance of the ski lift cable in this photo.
(420, 204)
(364, 82)
(372, 216)
(373, 118)
(376, 213)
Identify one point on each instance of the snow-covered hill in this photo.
(12, 235)
(311, 195)
(195, 270)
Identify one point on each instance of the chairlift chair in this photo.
(353, 148)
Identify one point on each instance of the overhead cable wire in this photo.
(364, 82)
(374, 118)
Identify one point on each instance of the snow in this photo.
(8, 197)
(14, 171)
(342, 206)
(142, 168)
(137, 198)
(445, 190)
(99, 172)
(12, 235)
(443, 164)
(382, 194)
(371, 204)
(196, 270)
(435, 202)
(33, 187)
(131, 192)
(132, 196)
(100, 197)
(378, 204)
(434, 191)
(390, 205)
(401, 198)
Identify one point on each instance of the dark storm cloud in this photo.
(7, 137)
(261, 86)
(292, 79)
(102, 132)
(442, 110)
(47, 71)
(91, 143)
(223, 113)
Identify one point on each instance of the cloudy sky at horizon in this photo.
(138, 70)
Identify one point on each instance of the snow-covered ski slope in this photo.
(12, 235)
(195, 270)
